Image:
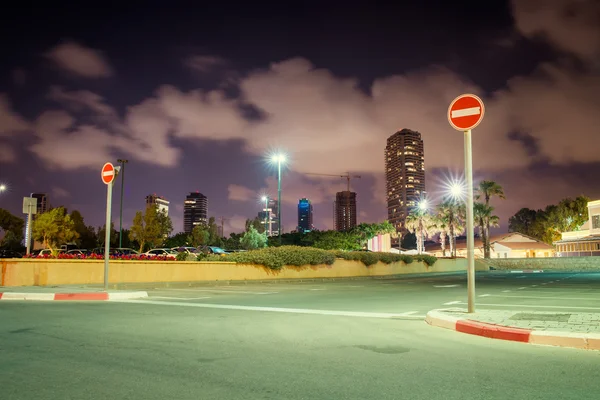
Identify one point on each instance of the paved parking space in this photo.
(396, 297)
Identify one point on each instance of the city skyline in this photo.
(201, 111)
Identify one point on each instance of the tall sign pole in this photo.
(29, 208)
(108, 174)
(122, 172)
(464, 114)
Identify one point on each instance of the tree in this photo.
(114, 235)
(164, 221)
(180, 239)
(214, 239)
(54, 228)
(483, 218)
(200, 235)
(487, 190)
(87, 234)
(409, 241)
(419, 222)
(13, 230)
(438, 225)
(334, 240)
(148, 228)
(256, 223)
(365, 232)
(451, 213)
(233, 241)
(252, 239)
(524, 221)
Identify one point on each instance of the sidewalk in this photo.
(67, 292)
(565, 329)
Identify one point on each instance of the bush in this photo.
(427, 259)
(182, 256)
(371, 257)
(64, 256)
(277, 257)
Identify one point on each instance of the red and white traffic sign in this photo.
(108, 173)
(466, 112)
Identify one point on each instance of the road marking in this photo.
(506, 291)
(222, 291)
(465, 112)
(517, 305)
(485, 295)
(521, 288)
(453, 302)
(533, 285)
(179, 298)
(360, 314)
(354, 286)
(409, 312)
(316, 289)
(444, 286)
(545, 297)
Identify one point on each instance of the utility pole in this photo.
(223, 219)
(123, 162)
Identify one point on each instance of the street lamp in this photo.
(2, 188)
(123, 162)
(279, 159)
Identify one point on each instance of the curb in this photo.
(527, 271)
(585, 341)
(93, 296)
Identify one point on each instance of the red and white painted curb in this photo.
(85, 296)
(587, 341)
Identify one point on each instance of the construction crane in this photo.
(347, 177)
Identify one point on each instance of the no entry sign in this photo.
(108, 173)
(466, 112)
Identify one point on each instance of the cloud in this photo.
(569, 25)
(81, 100)
(80, 60)
(60, 192)
(10, 122)
(204, 63)
(236, 223)
(241, 193)
(7, 153)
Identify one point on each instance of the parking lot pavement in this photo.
(409, 297)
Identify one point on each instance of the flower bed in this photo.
(63, 256)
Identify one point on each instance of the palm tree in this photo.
(439, 225)
(483, 218)
(450, 212)
(418, 221)
(487, 190)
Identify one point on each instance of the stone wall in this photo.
(546, 264)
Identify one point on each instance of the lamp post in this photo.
(123, 162)
(2, 188)
(422, 209)
(279, 159)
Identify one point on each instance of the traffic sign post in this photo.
(108, 175)
(464, 114)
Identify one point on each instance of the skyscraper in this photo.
(345, 211)
(268, 216)
(161, 202)
(42, 202)
(195, 211)
(305, 215)
(404, 175)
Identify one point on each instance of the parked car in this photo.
(212, 250)
(126, 251)
(186, 249)
(79, 252)
(46, 252)
(169, 253)
(10, 254)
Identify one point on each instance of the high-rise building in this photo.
(160, 202)
(305, 215)
(345, 211)
(268, 217)
(42, 202)
(195, 211)
(404, 175)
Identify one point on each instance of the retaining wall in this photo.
(550, 263)
(37, 272)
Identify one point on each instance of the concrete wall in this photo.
(32, 272)
(554, 263)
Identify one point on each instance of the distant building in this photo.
(404, 175)
(586, 240)
(161, 202)
(268, 217)
(305, 215)
(345, 211)
(195, 211)
(42, 202)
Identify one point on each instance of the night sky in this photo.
(197, 95)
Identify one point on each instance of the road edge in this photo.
(89, 296)
(584, 341)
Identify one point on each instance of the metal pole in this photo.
(121, 205)
(107, 234)
(266, 215)
(29, 226)
(470, 232)
(279, 198)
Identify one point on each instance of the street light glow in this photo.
(2, 187)
(456, 190)
(423, 205)
(264, 198)
(278, 158)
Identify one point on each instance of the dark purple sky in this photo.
(196, 97)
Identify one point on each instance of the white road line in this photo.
(533, 285)
(506, 291)
(530, 306)
(453, 302)
(546, 297)
(465, 112)
(409, 313)
(179, 298)
(444, 286)
(361, 314)
(485, 295)
(521, 288)
(317, 289)
(222, 291)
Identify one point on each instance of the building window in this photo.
(595, 221)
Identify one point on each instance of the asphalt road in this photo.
(221, 343)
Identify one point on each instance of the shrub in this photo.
(182, 256)
(371, 257)
(277, 257)
(64, 256)
(427, 259)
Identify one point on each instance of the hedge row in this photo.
(65, 256)
(277, 257)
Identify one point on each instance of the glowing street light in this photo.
(280, 159)
(423, 205)
(3, 188)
